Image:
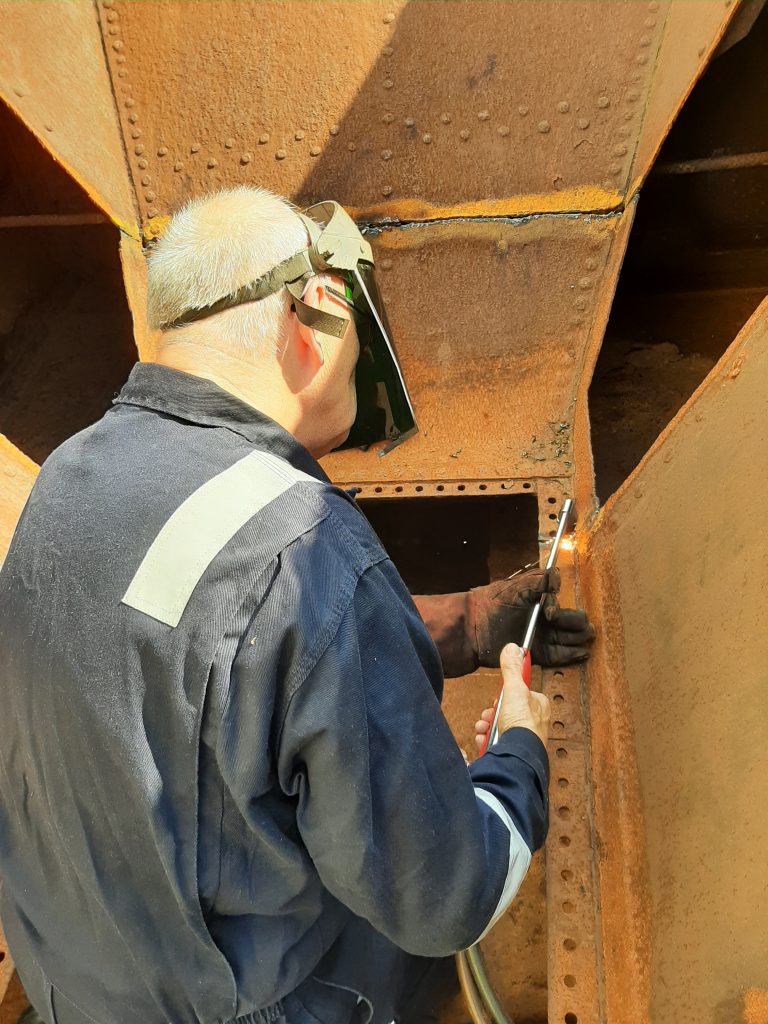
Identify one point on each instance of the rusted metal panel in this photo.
(17, 474)
(6, 965)
(378, 104)
(416, 110)
(492, 366)
(53, 75)
(676, 568)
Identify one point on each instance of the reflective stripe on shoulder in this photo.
(199, 529)
(519, 857)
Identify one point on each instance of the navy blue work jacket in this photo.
(224, 772)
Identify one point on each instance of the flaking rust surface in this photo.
(492, 369)
(688, 565)
(53, 74)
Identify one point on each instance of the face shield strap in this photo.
(318, 319)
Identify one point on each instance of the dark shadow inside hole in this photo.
(442, 545)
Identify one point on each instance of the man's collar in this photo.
(197, 400)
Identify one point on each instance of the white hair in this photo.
(214, 245)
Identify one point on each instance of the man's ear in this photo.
(308, 351)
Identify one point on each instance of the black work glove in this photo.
(498, 614)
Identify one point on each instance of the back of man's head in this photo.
(214, 245)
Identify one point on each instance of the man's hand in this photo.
(499, 613)
(520, 707)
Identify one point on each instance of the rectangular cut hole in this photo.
(441, 545)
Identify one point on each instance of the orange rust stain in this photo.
(756, 1006)
(585, 199)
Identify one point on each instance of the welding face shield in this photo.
(384, 410)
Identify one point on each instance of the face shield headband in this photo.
(384, 409)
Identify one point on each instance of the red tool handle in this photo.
(526, 680)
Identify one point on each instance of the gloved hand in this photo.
(498, 614)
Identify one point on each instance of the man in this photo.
(227, 790)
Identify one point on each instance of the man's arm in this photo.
(471, 628)
(399, 829)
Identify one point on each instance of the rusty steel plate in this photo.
(53, 75)
(413, 109)
(492, 321)
(17, 474)
(677, 567)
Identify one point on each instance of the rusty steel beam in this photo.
(675, 571)
(17, 474)
(53, 75)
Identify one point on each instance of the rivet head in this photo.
(633, 96)
(130, 102)
(426, 138)
(280, 154)
(334, 129)
(48, 127)
(463, 134)
(388, 19)
(245, 158)
(118, 44)
(445, 118)
(563, 106)
(543, 127)
(146, 180)
(387, 190)
(386, 264)
(138, 150)
(591, 263)
(113, 30)
(581, 302)
(229, 143)
(388, 83)
(112, 16)
(314, 151)
(523, 111)
(603, 102)
(299, 135)
(195, 147)
(122, 73)
(615, 169)
(409, 122)
(351, 146)
(387, 51)
(503, 130)
(178, 166)
(585, 283)
(645, 40)
(152, 213)
(143, 163)
(388, 118)
(133, 118)
(641, 58)
(162, 151)
(212, 162)
(150, 197)
(583, 123)
(483, 115)
(653, 5)
(386, 154)
(120, 58)
(620, 150)
(263, 138)
(136, 133)
(650, 23)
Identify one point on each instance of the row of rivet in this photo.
(124, 89)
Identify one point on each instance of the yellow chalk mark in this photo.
(585, 199)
